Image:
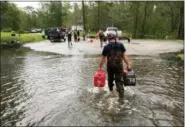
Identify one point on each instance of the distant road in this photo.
(136, 47)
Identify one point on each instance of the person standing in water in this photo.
(78, 35)
(75, 35)
(115, 54)
(100, 35)
(83, 34)
(69, 36)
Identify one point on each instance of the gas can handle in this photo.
(129, 69)
(99, 69)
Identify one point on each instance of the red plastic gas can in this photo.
(99, 78)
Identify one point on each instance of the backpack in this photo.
(114, 58)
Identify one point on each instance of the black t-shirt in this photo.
(69, 34)
(107, 48)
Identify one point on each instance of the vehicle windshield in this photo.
(112, 29)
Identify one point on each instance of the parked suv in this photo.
(57, 34)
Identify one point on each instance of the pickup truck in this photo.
(113, 30)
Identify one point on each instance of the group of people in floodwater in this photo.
(76, 34)
(113, 52)
(99, 35)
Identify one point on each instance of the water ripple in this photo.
(49, 89)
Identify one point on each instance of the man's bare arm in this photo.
(102, 61)
(125, 58)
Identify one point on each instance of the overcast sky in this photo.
(34, 4)
(24, 4)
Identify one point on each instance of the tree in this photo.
(98, 18)
(141, 19)
(144, 19)
(83, 13)
(181, 21)
(77, 15)
(135, 6)
(10, 16)
(29, 10)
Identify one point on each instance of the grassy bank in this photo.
(24, 38)
(91, 34)
(180, 56)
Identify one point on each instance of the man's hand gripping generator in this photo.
(129, 77)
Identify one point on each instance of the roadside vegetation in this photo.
(180, 56)
(23, 38)
(141, 19)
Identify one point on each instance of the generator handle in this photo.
(129, 69)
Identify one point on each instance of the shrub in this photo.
(7, 30)
(21, 31)
(24, 38)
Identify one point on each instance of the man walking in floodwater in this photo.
(115, 54)
(69, 36)
(78, 35)
(83, 34)
(75, 35)
(100, 35)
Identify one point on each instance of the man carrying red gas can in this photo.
(115, 54)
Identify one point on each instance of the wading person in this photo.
(75, 35)
(69, 36)
(78, 35)
(43, 34)
(115, 54)
(116, 31)
(83, 34)
(100, 35)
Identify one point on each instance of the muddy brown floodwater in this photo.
(42, 88)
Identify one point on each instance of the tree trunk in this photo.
(30, 22)
(136, 19)
(181, 23)
(98, 18)
(59, 14)
(173, 22)
(83, 12)
(144, 20)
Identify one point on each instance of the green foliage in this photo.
(141, 19)
(92, 34)
(52, 14)
(21, 31)
(7, 29)
(181, 56)
(30, 37)
(10, 16)
(24, 38)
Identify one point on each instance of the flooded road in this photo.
(40, 88)
(136, 47)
